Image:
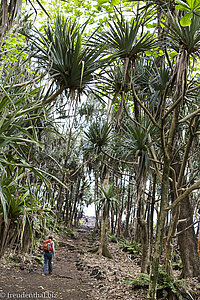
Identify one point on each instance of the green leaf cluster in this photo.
(130, 247)
(191, 7)
(166, 283)
(141, 281)
(12, 50)
(97, 137)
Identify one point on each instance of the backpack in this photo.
(47, 246)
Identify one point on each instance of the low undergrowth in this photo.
(168, 287)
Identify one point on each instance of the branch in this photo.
(163, 143)
(193, 187)
(179, 100)
(180, 232)
(153, 152)
(128, 115)
(173, 106)
(156, 161)
(144, 108)
(47, 101)
(193, 89)
(196, 112)
(23, 83)
(119, 160)
(186, 154)
(52, 97)
(116, 171)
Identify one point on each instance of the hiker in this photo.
(49, 251)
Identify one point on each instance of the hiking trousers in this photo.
(48, 259)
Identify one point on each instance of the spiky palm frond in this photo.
(148, 74)
(150, 82)
(97, 137)
(108, 192)
(113, 80)
(16, 196)
(20, 123)
(136, 142)
(124, 38)
(188, 38)
(61, 53)
(158, 82)
(135, 146)
(109, 198)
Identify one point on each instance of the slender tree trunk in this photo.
(128, 208)
(75, 201)
(97, 211)
(120, 210)
(70, 203)
(160, 230)
(4, 237)
(150, 223)
(180, 70)
(187, 241)
(145, 246)
(102, 237)
(112, 220)
(103, 249)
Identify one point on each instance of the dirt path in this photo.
(66, 282)
(77, 274)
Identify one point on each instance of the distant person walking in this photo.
(48, 251)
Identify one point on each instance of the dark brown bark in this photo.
(159, 231)
(4, 236)
(145, 246)
(187, 241)
(128, 208)
(150, 223)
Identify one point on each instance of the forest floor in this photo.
(77, 273)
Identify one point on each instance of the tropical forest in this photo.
(100, 149)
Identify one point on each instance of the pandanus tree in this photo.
(97, 139)
(185, 40)
(106, 202)
(18, 172)
(18, 168)
(136, 147)
(126, 41)
(63, 53)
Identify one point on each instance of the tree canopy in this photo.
(99, 103)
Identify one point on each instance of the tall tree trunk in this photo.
(180, 70)
(159, 231)
(150, 223)
(76, 195)
(103, 249)
(187, 241)
(128, 208)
